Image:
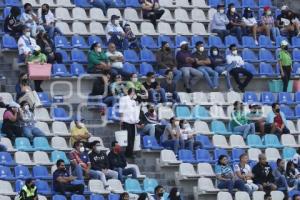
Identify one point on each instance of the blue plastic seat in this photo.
(266, 69)
(9, 42)
(235, 2)
(249, 3)
(296, 69)
(186, 156)
(78, 56)
(6, 159)
(113, 196)
(41, 143)
(77, 197)
(41, 172)
(197, 38)
(145, 68)
(288, 153)
(150, 184)
(93, 39)
(82, 3)
(65, 56)
(61, 41)
(218, 127)
(179, 39)
(6, 174)
(265, 42)
(23, 144)
(44, 98)
(266, 56)
(249, 56)
(288, 112)
(254, 141)
(229, 40)
(79, 42)
(271, 140)
(133, 186)
(200, 112)
(203, 156)
(147, 56)
(59, 197)
(285, 98)
(60, 70)
(130, 68)
(22, 172)
(251, 68)
(183, 112)
(250, 97)
(263, 3)
(297, 111)
(19, 184)
(213, 3)
(218, 152)
(56, 155)
(148, 42)
(236, 153)
(13, 3)
(267, 98)
(215, 41)
(296, 55)
(295, 42)
(131, 56)
(165, 38)
(43, 187)
(96, 197)
(205, 142)
(132, 3)
(248, 42)
(120, 4)
(150, 142)
(60, 114)
(6, 12)
(77, 69)
(297, 97)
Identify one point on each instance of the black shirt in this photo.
(262, 174)
(151, 86)
(56, 174)
(99, 161)
(116, 160)
(9, 22)
(236, 18)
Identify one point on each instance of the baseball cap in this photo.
(183, 43)
(284, 43)
(113, 17)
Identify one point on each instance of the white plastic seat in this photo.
(2, 110)
(233, 96)
(198, 15)
(229, 110)
(6, 97)
(183, 4)
(266, 110)
(242, 196)
(202, 128)
(205, 169)
(60, 128)
(199, 4)
(96, 28)
(164, 28)
(7, 143)
(168, 157)
(181, 15)
(288, 140)
(80, 14)
(65, 3)
(6, 188)
(272, 154)
(277, 195)
(182, 29)
(211, 13)
(217, 112)
(97, 187)
(167, 4)
(95, 138)
(96, 14)
(134, 28)
(165, 112)
(224, 196)
(186, 170)
(59, 143)
(79, 28)
(41, 114)
(130, 14)
(258, 195)
(64, 27)
(41, 158)
(22, 158)
(237, 141)
(206, 185)
(62, 14)
(253, 154)
(198, 29)
(116, 186)
(2, 197)
(200, 98)
(53, 168)
(291, 127)
(147, 28)
(114, 11)
(167, 17)
(298, 124)
(217, 98)
(137, 170)
(40, 197)
(32, 2)
(51, 3)
(43, 126)
(185, 98)
(220, 141)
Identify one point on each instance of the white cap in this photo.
(37, 48)
(284, 43)
(284, 7)
(14, 105)
(183, 43)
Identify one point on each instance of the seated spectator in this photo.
(63, 182)
(172, 134)
(144, 196)
(156, 93)
(28, 191)
(10, 124)
(12, 24)
(46, 18)
(37, 57)
(263, 176)
(170, 87)
(114, 32)
(256, 116)
(225, 176)
(285, 62)
(185, 62)
(292, 175)
(117, 87)
(235, 25)
(239, 121)
(244, 173)
(159, 192)
(27, 122)
(174, 194)
(219, 22)
(268, 22)
(238, 62)
(47, 48)
(280, 176)
(103, 5)
(187, 136)
(130, 40)
(296, 159)
(124, 196)
(276, 121)
(140, 90)
(97, 60)
(117, 162)
(79, 133)
(296, 197)
(30, 19)
(26, 44)
(100, 163)
(287, 22)
(151, 10)
(202, 63)
(166, 61)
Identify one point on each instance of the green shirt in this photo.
(285, 58)
(41, 58)
(136, 85)
(239, 118)
(94, 58)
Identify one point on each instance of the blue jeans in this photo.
(125, 172)
(221, 33)
(190, 76)
(294, 183)
(230, 184)
(153, 95)
(187, 144)
(149, 129)
(237, 31)
(110, 100)
(30, 132)
(245, 129)
(211, 76)
(226, 68)
(281, 183)
(104, 5)
(121, 71)
(275, 32)
(116, 40)
(52, 31)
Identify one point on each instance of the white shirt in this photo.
(116, 64)
(27, 19)
(112, 28)
(49, 17)
(249, 21)
(129, 109)
(26, 45)
(232, 58)
(246, 170)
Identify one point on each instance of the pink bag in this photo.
(296, 86)
(39, 71)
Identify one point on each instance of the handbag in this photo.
(39, 71)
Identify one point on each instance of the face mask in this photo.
(277, 110)
(117, 21)
(215, 53)
(201, 49)
(27, 34)
(26, 107)
(234, 52)
(28, 10)
(232, 9)
(36, 53)
(170, 76)
(269, 12)
(134, 97)
(151, 110)
(44, 11)
(167, 48)
(134, 79)
(160, 194)
(222, 11)
(177, 123)
(152, 80)
(81, 149)
(99, 50)
(185, 47)
(177, 194)
(98, 148)
(32, 185)
(285, 47)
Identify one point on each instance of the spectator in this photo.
(235, 24)
(130, 40)
(47, 48)
(296, 159)
(23, 85)
(30, 19)
(156, 93)
(185, 62)
(27, 122)
(26, 44)
(97, 60)
(267, 21)
(166, 61)
(287, 22)
(100, 163)
(172, 134)
(251, 23)
(170, 87)
(143, 196)
(46, 18)
(276, 121)
(292, 175)
(285, 63)
(117, 162)
(263, 176)
(219, 22)
(187, 135)
(124, 196)
(218, 64)
(202, 63)
(10, 126)
(225, 176)
(103, 5)
(256, 116)
(12, 24)
(296, 197)
(37, 57)
(140, 90)
(280, 176)
(243, 172)
(238, 62)
(63, 182)
(114, 32)
(129, 117)
(117, 87)
(174, 194)
(158, 193)
(28, 191)
(239, 121)
(79, 132)
(116, 60)
(151, 10)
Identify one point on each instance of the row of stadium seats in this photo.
(242, 3)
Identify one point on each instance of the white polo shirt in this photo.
(238, 59)
(130, 110)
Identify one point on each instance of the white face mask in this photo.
(152, 80)
(232, 9)
(26, 107)
(134, 97)
(99, 50)
(27, 34)
(134, 79)
(201, 49)
(222, 11)
(215, 53)
(117, 21)
(98, 148)
(81, 149)
(177, 194)
(234, 52)
(177, 123)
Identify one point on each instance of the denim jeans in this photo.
(227, 68)
(187, 144)
(237, 31)
(281, 183)
(153, 95)
(30, 132)
(125, 172)
(230, 184)
(245, 129)
(149, 129)
(110, 100)
(104, 4)
(190, 76)
(117, 41)
(211, 76)
(52, 31)
(221, 33)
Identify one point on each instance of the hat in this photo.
(14, 105)
(284, 43)
(199, 43)
(266, 8)
(183, 43)
(284, 7)
(37, 48)
(113, 17)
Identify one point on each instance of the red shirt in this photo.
(278, 121)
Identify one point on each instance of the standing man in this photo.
(285, 63)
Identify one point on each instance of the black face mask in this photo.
(44, 11)
(277, 110)
(36, 53)
(25, 81)
(28, 11)
(151, 110)
(185, 48)
(286, 48)
(168, 49)
(32, 185)
(160, 194)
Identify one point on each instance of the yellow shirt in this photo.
(75, 131)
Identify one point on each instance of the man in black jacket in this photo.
(117, 162)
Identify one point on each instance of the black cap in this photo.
(199, 43)
(220, 5)
(113, 17)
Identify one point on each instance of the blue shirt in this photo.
(224, 170)
(271, 115)
(56, 174)
(181, 58)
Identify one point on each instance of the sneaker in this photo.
(256, 42)
(231, 90)
(224, 73)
